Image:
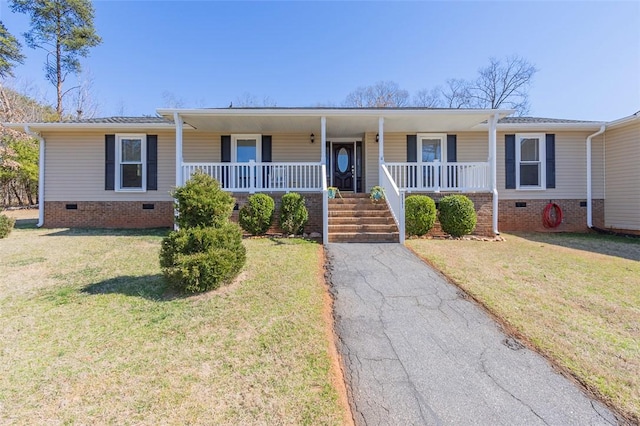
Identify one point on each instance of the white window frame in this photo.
(443, 146)
(542, 155)
(234, 146)
(119, 162)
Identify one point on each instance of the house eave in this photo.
(541, 127)
(624, 121)
(40, 127)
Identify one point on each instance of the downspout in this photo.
(28, 131)
(589, 195)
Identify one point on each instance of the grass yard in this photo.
(90, 335)
(575, 297)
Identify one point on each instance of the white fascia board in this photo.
(624, 120)
(330, 112)
(91, 126)
(541, 127)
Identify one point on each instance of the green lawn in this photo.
(575, 297)
(89, 334)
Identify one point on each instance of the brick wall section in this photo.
(313, 201)
(108, 214)
(483, 203)
(529, 218)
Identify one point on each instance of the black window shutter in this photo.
(110, 162)
(452, 148)
(551, 160)
(152, 162)
(510, 161)
(412, 148)
(225, 144)
(266, 149)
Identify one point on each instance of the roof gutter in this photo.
(589, 184)
(28, 131)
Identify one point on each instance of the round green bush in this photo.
(6, 225)
(293, 213)
(200, 259)
(420, 214)
(256, 216)
(201, 202)
(457, 215)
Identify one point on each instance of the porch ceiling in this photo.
(340, 122)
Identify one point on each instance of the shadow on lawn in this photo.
(150, 287)
(610, 245)
(87, 232)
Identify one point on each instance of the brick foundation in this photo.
(313, 201)
(529, 218)
(483, 203)
(108, 214)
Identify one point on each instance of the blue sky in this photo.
(209, 53)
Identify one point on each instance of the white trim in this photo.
(143, 161)
(234, 146)
(443, 145)
(625, 120)
(542, 143)
(92, 126)
(540, 127)
(332, 112)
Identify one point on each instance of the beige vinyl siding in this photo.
(622, 203)
(370, 159)
(75, 168)
(571, 169)
(201, 147)
(295, 147)
(472, 147)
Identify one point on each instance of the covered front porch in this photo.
(273, 150)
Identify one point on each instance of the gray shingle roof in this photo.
(122, 120)
(541, 120)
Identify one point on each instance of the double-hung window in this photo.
(131, 161)
(530, 161)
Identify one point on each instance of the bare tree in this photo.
(504, 84)
(501, 84)
(428, 98)
(457, 94)
(383, 94)
(249, 100)
(84, 102)
(170, 100)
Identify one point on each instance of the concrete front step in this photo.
(359, 213)
(358, 206)
(361, 220)
(363, 237)
(384, 229)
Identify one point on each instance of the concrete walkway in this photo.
(417, 352)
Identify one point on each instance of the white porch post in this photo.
(380, 146)
(178, 121)
(323, 140)
(325, 195)
(493, 121)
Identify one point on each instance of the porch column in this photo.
(323, 140)
(178, 121)
(380, 145)
(325, 196)
(493, 121)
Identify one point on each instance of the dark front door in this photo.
(343, 166)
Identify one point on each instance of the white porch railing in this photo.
(436, 176)
(394, 198)
(252, 176)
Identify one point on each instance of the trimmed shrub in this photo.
(420, 214)
(201, 202)
(199, 259)
(457, 215)
(293, 213)
(6, 225)
(256, 216)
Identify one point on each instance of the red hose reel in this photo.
(552, 216)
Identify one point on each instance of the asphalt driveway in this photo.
(416, 351)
